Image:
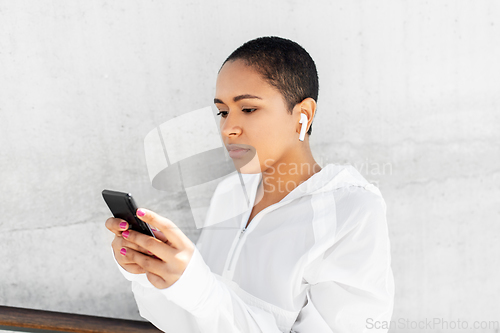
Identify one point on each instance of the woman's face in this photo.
(254, 115)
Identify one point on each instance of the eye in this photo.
(223, 114)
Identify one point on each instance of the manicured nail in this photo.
(125, 234)
(150, 252)
(140, 212)
(153, 228)
(123, 251)
(123, 225)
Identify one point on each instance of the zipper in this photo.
(230, 267)
(236, 248)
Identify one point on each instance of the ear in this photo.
(308, 107)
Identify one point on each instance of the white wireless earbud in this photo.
(303, 120)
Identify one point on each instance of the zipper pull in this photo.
(242, 232)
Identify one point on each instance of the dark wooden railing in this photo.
(29, 320)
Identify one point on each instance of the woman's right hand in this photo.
(117, 226)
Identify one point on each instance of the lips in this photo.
(233, 146)
(237, 151)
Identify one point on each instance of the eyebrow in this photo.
(237, 98)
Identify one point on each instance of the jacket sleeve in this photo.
(351, 287)
(197, 302)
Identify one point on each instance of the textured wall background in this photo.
(409, 95)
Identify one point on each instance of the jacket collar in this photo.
(241, 189)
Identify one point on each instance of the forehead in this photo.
(237, 78)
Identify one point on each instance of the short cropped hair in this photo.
(284, 64)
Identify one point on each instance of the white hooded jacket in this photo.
(318, 261)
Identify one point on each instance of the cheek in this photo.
(269, 132)
(271, 140)
(273, 125)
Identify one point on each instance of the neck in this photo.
(284, 175)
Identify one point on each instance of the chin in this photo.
(248, 164)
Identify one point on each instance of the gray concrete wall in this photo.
(408, 94)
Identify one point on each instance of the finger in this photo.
(167, 227)
(153, 245)
(161, 236)
(126, 263)
(121, 258)
(120, 241)
(133, 268)
(116, 225)
(149, 264)
(157, 281)
(119, 249)
(130, 245)
(158, 234)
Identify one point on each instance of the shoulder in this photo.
(357, 206)
(355, 232)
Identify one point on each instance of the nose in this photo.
(230, 126)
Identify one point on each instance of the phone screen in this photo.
(123, 206)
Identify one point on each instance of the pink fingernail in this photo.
(123, 225)
(125, 234)
(140, 212)
(123, 251)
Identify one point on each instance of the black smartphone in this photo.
(123, 206)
